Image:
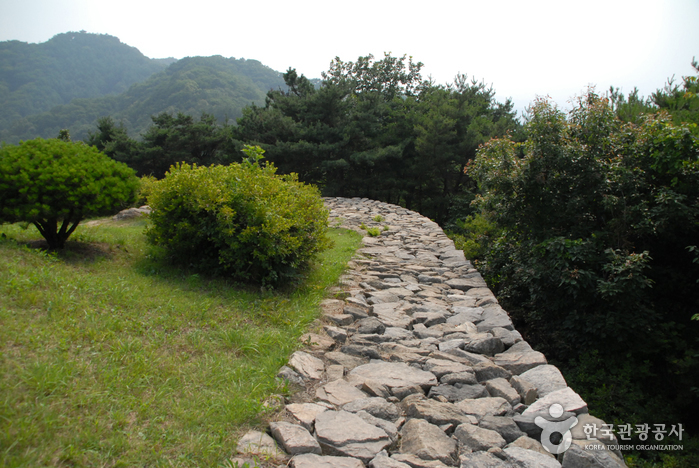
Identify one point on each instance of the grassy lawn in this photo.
(110, 358)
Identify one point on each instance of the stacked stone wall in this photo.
(419, 366)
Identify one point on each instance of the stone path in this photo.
(420, 367)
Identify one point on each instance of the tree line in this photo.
(372, 128)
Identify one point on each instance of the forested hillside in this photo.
(36, 77)
(216, 85)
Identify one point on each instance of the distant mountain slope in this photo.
(215, 85)
(36, 77)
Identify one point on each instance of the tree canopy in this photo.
(596, 254)
(55, 184)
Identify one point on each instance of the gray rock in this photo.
(357, 312)
(346, 434)
(488, 371)
(462, 392)
(508, 337)
(294, 439)
(403, 392)
(376, 389)
(581, 454)
(503, 425)
(437, 413)
(501, 388)
(520, 347)
(287, 373)
(545, 378)
(527, 392)
(476, 438)
(339, 392)
(566, 397)
(256, 442)
(392, 374)
(468, 358)
(337, 334)
(467, 378)
(518, 363)
(375, 406)
(464, 284)
(370, 325)
(489, 346)
(466, 314)
(451, 344)
(441, 367)
(309, 460)
(361, 351)
(414, 461)
(347, 361)
(530, 459)
(528, 443)
(382, 460)
(481, 407)
(390, 428)
(305, 413)
(427, 441)
(483, 460)
(493, 317)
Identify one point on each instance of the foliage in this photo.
(595, 217)
(52, 182)
(375, 128)
(472, 235)
(241, 220)
(146, 187)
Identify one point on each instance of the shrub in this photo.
(242, 220)
(52, 182)
(145, 189)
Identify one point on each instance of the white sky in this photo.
(523, 48)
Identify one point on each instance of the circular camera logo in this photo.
(558, 430)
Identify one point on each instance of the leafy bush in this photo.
(147, 183)
(52, 182)
(241, 220)
(472, 235)
(596, 220)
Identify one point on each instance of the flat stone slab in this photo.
(295, 439)
(305, 413)
(310, 367)
(339, 392)
(517, 363)
(530, 458)
(392, 374)
(546, 378)
(317, 461)
(346, 434)
(480, 407)
(567, 398)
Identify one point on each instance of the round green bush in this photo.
(55, 184)
(241, 220)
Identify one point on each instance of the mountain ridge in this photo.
(193, 85)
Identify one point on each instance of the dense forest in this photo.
(75, 78)
(585, 223)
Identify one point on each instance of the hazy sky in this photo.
(523, 48)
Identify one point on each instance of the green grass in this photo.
(110, 358)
